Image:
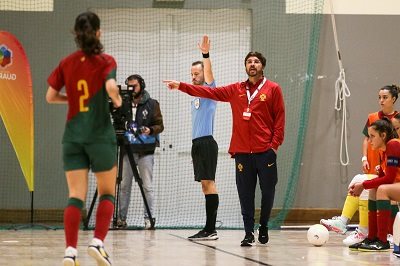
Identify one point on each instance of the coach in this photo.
(258, 130)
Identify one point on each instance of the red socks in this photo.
(72, 219)
(372, 220)
(104, 214)
(383, 218)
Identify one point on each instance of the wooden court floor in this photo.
(170, 247)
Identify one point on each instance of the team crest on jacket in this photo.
(263, 97)
(240, 167)
(145, 113)
(197, 103)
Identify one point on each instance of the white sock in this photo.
(363, 230)
(344, 220)
(71, 252)
(96, 242)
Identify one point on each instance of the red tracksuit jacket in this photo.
(264, 130)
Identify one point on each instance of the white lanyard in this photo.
(134, 109)
(250, 98)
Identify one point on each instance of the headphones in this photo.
(138, 78)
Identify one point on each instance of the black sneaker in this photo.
(263, 235)
(248, 240)
(396, 253)
(356, 246)
(376, 245)
(204, 235)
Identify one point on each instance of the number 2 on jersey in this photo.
(82, 86)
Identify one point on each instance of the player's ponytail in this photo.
(86, 26)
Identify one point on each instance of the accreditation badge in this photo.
(197, 103)
(246, 113)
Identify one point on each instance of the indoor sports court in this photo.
(330, 57)
(170, 247)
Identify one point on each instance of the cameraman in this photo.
(147, 114)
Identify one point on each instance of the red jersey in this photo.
(84, 78)
(390, 164)
(265, 128)
(372, 155)
(94, 69)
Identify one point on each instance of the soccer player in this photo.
(383, 137)
(387, 97)
(89, 140)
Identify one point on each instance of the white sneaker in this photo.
(97, 252)
(390, 239)
(355, 237)
(147, 224)
(334, 224)
(70, 257)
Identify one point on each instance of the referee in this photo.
(204, 147)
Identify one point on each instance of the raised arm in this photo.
(205, 50)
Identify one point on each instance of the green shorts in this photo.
(96, 156)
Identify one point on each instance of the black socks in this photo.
(212, 202)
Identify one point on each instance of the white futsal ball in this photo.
(317, 235)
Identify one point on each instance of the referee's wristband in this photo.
(364, 158)
(207, 55)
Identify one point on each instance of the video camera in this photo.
(126, 129)
(121, 117)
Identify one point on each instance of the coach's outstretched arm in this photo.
(172, 84)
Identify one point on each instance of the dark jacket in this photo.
(148, 114)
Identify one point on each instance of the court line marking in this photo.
(223, 251)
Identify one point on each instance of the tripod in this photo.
(123, 147)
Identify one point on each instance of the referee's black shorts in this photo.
(204, 156)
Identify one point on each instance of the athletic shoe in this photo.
(396, 253)
(97, 252)
(334, 224)
(356, 246)
(248, 240)
(147, 224)
(121, 224)
(355, 237)
(376, 245)
(204, 235)
(262, 235)
(70, 257)
(70, 261)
